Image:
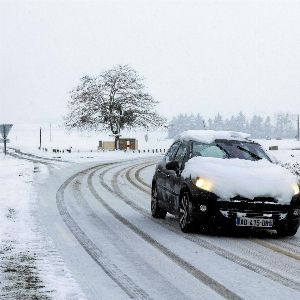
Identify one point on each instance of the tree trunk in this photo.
(117, 142)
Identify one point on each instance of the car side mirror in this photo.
(172, 165)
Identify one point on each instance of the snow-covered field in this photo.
(27, 137)
(79, 226)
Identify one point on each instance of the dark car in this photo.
(197, 206)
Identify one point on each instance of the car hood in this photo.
(238, 177)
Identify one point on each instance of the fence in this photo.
(71, 150)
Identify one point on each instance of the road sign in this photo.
(2, 141)
(4, 131)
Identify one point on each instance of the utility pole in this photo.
(298, 128)
(4, 134)
(40, 138)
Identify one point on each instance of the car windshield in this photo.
(230, 149)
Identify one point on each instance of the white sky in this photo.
(196, 56)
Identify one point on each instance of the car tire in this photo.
(185, 222)
(287, 230)
(156, 211)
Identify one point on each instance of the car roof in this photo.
(209, 136)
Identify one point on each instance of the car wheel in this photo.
(186, 225)
(287, 230)
(156, 211)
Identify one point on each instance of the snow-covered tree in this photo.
(185, 122)
(114, 100)
(284, 126)
(256, 127)
(268, 128)
(218, 123)
(241, 122)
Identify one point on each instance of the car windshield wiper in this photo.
(224, 150)
(249, 152)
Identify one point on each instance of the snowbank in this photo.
(208, 136)
(238, 177)
(30, 267)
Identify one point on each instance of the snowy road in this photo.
(102, 226)
(98, 216)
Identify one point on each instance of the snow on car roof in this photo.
(208, 136)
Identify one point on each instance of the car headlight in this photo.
(203, 183)
(295, 187)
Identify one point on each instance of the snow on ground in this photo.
(30, 262)
(27, 137)
(84, 144)
(29, 265)
(288, 153)
(82, 157)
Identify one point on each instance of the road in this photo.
(98, 216)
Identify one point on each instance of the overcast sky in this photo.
(196, 56)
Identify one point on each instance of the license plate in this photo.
(265, 223)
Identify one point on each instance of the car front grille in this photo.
(236, 208)
(234, 213)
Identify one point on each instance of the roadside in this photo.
(30, 267)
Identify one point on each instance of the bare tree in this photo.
(113, 100)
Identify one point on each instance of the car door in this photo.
(162, 175)
(174, 180)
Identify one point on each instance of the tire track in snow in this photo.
(145, 188)
(30, 155)
(36, 159)
(138, 177)
(135, 258)
(202, 277)
(28, 159)
(277, 249)
(124, 282)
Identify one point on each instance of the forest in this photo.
(281, 125)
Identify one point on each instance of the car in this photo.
(213, 179)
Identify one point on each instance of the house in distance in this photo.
(125, 144)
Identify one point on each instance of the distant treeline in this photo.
(279, 126)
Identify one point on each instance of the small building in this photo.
(106, 145)
(125, 144)
(128, 144)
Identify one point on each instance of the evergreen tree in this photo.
(257, 126)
